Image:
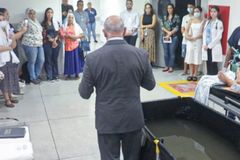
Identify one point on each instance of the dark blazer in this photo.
(117, 70)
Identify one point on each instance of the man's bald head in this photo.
(114, 27)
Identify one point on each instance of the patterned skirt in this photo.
(10, 83)
(149, 44)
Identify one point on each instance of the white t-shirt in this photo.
(185, 22)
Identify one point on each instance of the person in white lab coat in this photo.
(212, 47)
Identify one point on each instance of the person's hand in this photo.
(50, 39)
(169, 34)
(24, 29)
(11, 46)
(205, 47)
(167, 37)
(62, 32)
(64, 13)
(67, 35)
(194, 38)
(128, 33)
(12, 42)
(190, 38)
(1, 75)
(54, 44)
(222, 76)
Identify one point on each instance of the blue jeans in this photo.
(169, 52)
(91, 27)
(35, 57)
(51, 60)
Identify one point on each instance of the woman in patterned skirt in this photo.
(148, 23)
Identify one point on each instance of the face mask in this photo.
(3, 24)
(190, 10)
(197, 14)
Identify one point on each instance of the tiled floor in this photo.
(62, 123)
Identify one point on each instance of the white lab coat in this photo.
(215, 44)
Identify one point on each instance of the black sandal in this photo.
(9, 104)
(14, 100)
(194, 78)
(189, 78)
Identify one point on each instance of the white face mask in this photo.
(197, 14)
(3, 24)
(190, 10)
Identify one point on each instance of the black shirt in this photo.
(147, 19)
(66, 8)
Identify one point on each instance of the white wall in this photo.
(17, 8)
(234, 12)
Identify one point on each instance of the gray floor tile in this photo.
(43, 144)
(27, 110)
(59, 87)
(69, 105)
(89, 157)
(75, 137)
(31, 91)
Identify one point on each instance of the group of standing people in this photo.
(8, 60)
(86, 18)
(201, 41)
(201, 38)
(147, 25)
(41, 43)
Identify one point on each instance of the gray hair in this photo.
(114, 24)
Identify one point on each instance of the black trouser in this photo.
(109, 145)
(212, 68)
(131, 39)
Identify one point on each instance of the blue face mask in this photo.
(190, 10)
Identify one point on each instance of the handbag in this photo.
(85, 45)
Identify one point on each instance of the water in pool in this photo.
(188, 140)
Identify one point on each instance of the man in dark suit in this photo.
(117, 70)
